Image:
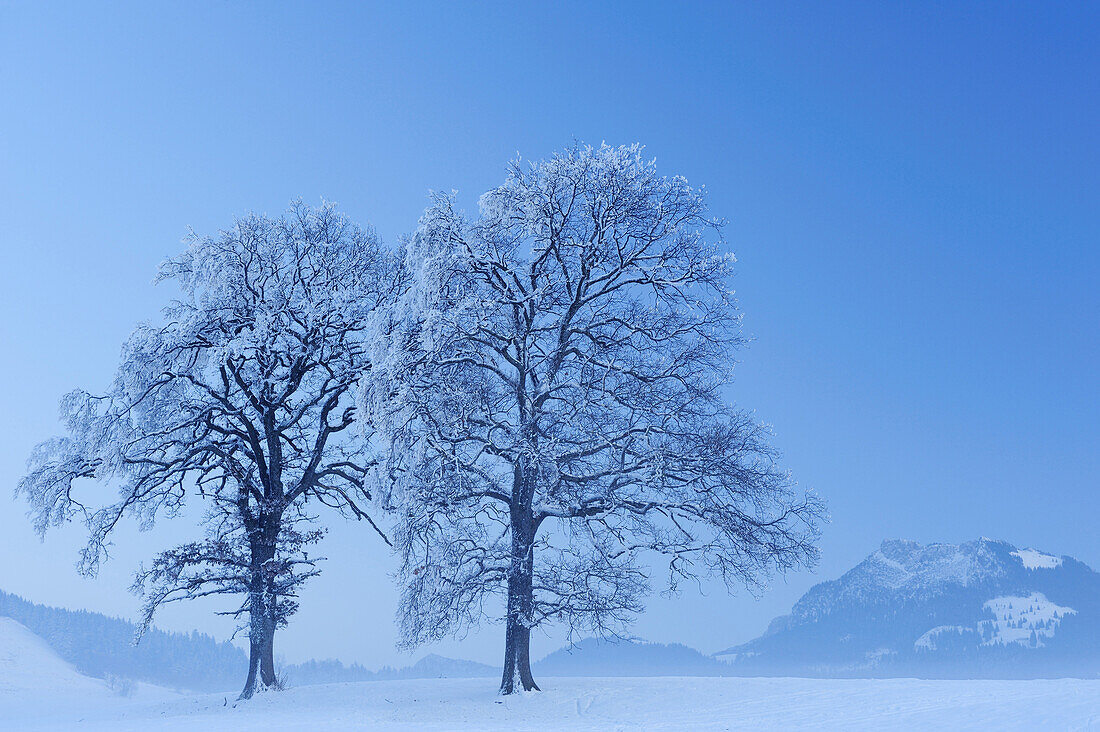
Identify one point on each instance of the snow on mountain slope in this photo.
(1025, 621)
(1022, 620)
(906, 570)
(979, 609)
(1032, 559)
(29, 666)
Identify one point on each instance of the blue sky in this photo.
(911, 190)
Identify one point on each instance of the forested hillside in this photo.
(100, 646)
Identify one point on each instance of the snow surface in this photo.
(33, 678)
(28, 665)
(1034, 559)
(667, 703)
(39, 691)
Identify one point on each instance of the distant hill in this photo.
(29, 666)
(588, 657)
(979, 609)
(99, 646)
(430, 666)
(595, 657)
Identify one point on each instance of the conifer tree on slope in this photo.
(552, 393)
(243, 400)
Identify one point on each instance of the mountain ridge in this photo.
(980, 608)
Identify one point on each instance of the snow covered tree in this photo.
(242, 399)
(228, 562)
(550, 396)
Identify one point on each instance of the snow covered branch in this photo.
(242, 400)
(553, 392)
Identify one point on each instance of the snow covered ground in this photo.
(39, 691)
(35, 683)
(595, 704)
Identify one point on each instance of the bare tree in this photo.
(552, 394)
(243, 399)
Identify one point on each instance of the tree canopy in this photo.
(553, 394)
(242, 398)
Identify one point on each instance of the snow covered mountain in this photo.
(983, 608)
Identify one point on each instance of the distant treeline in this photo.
(98, 646)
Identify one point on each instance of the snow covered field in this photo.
(591, 704)
(39, 691)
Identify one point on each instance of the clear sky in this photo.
(912, 190)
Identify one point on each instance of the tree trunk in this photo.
(521, 602)
(261, 621)
(517, 660)
(261, 653)
(267, 660)
(261, 661)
